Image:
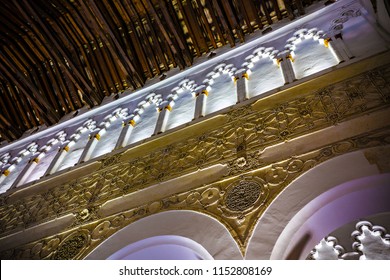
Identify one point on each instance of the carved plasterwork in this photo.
(210, 199)
(243, 195)
(345, 13)
(371, 243)
(239, 143)
(327, 249)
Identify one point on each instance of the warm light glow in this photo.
(102, 131)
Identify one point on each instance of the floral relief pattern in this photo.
(237, 143)
(209, 199)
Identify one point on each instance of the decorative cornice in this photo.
(238, 142)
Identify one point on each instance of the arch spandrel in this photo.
(184, 223)
(296, 204)
(210, 200)
(269, 163)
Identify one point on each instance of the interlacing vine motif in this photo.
(238, 143)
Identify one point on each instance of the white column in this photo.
(124, 137)
(343, 47)
(338, 48)
(200, 105)
(241, 81)
(25, 173)
(285, 62)
(330, 43)
(5, 174)
(163, 115)
(90, 147)
(57, 160)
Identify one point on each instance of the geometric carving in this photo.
(72, 246)
(327, 249)
(243, 195)
(372, 243)
(238, 207)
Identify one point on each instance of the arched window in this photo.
(145, 118)
(12, 170)
(183, 105)
(109, 133)
(309, 53)
(75, 147)
(40, 163)
(221, 90)
(263, 72)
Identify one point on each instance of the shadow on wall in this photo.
(165, 247)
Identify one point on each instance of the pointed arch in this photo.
(144, 118)
(220, 88)
(163, 247)
(188, 224)
(264, 73)
(182, 104)
(15, 166)
(41, 162)
(108, 132)
(326, 187)
(310, 52)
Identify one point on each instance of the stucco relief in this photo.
(372, 242)
(239, 143)
(210, 199)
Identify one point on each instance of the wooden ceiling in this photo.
(57, 56)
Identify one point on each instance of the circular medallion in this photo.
(243, 196)
(72, 246)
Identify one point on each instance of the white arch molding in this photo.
(321, 200)
(199, 228)
(163, 247)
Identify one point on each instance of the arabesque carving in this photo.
(239, 143)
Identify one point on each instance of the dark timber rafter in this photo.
(57, 56)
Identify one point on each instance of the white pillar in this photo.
(163, 115)
(330, 43)
(200, 105)
(57, 160)
(6, 172)
(25, 173)
(241, 81)
(343, 47)
(285, 62)
(90, 147)
(124, 137)
(338, 47)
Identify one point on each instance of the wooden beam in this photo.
(176, 49)
(48, 38)
(9, 108)
(21, 82)
(124, 62)
(206, 24)
(226, 27)
(233, 20)
(142, 37)
(171, 20)
(215, 22)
